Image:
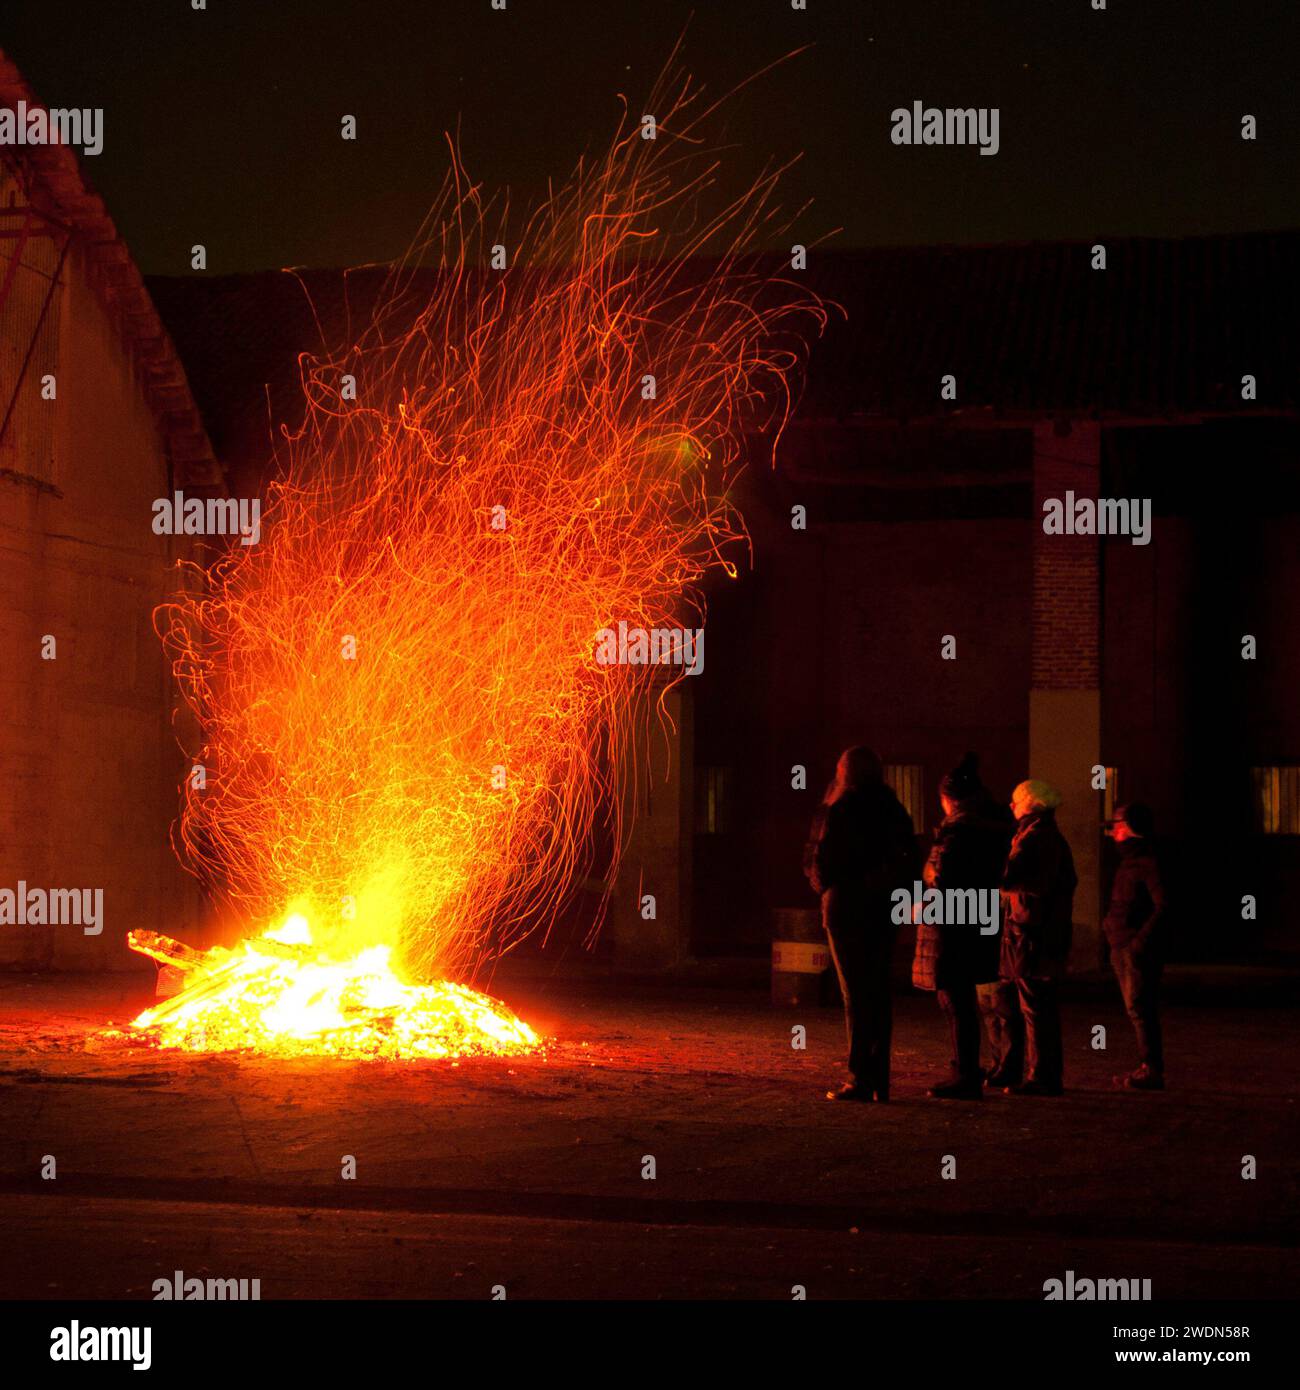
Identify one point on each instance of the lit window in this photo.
(908, 782)
(1277, 799)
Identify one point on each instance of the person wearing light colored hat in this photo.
(1037, 908)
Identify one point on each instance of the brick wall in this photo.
(1065, 696)
(1066, 589)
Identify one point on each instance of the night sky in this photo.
(222, 127)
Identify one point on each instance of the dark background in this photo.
(222, 126)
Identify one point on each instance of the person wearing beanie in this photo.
(1133, 927)
(970, 849)
(1037, 908)
(862, 847)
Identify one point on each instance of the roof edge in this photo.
(55, 183)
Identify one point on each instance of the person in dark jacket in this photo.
(861, 848)
(1133, 930)
(1037, 906)
(970, 851)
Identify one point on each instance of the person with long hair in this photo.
(861, 848)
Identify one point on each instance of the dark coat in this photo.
(970, 851)
(862, 847)
(1137, 899)
(1037, 900)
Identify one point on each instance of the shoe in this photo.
(1033, 1087)
(957, 1090)
(851, 1091)
(1143, 1079)
(999, 1080)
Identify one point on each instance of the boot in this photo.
(851, 1091)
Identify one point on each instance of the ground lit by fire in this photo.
(278, 995)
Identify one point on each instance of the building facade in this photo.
(904, 592)
(925, 609)
(96, 421)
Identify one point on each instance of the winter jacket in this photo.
(863, 845)
(1137, 898)
(1037, 900)
(970, 851)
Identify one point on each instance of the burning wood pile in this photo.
(277, 994)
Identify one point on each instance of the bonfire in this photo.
(403, 715)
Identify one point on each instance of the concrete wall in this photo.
(88, 764)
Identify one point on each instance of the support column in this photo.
(1065, 681)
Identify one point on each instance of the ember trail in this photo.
(407, 738)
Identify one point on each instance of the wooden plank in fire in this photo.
(212, 983)
(165, 949)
